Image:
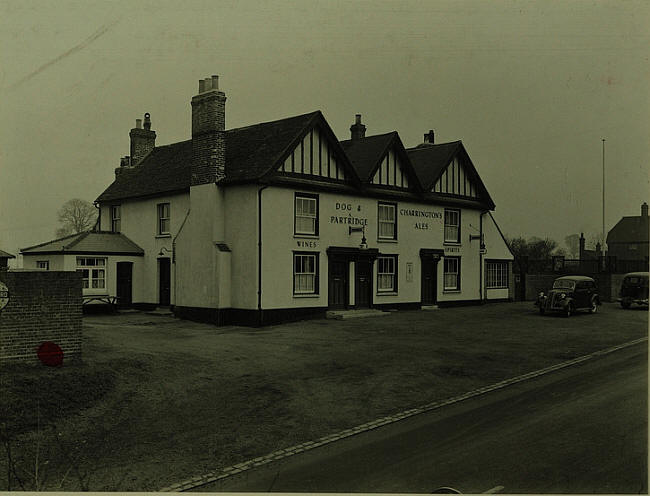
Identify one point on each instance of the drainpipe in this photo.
(480, 253)
(174, 249)
(259, 252)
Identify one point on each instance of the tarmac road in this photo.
(579, 430)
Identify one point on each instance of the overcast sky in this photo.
(530, 88)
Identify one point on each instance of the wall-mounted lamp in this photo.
(163, 250)
(362, 230)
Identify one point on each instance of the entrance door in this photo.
(164, 281)
(124, 284)
(429, 282)
(362, 285)
(338, 284)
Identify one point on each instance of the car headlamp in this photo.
(563, 295)
(541, 294)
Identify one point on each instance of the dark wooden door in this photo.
(363, 284)
(164, 281)
(338, 284)
(429, 282)
(124, 284)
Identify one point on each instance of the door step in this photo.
(430, 307)
(160, 311)
(355, 314)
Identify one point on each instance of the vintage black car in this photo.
(634, 289)
(570, 293)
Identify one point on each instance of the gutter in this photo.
(259, 251)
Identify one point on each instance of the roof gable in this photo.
(381, 160)
(317, 154)
(4, 254)
(252, 152)
(446, 169)
(633, 229)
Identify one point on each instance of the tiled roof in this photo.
(430, 160)
(88, 242)
(4, 254)
(365, 153)
(251, 152)
(165, 169)
(630, 230)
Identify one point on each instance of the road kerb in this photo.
(277, 455)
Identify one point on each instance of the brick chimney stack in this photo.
(208, 133)
(644, 209)
(357, 130)
(142, 140)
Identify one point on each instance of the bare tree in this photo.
(76, 216)
(572, 241)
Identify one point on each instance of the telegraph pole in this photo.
(603, 242)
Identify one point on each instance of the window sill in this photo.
(448, 291)
(497, 287)
(308, 236)
(388, 293)
(381, 240)
(163, 235)
(306, 296)
(452, 243)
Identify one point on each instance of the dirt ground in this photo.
(158, 400)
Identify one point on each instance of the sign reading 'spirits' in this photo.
(4, 295)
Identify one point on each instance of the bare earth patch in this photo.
(158, 400)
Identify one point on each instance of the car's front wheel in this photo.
(594, 306)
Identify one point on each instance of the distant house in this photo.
(628, 239)
(4, 259)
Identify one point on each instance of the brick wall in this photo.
(208, 137)
(43, 306)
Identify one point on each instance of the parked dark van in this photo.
(634, 289)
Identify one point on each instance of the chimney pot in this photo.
(429, 137)
(201, 85)
(208, 84)
(138, 123)
(644, 209)
(147, 121)
(357, 119)
(215, 82)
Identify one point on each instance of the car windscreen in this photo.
(635, 281)
(564, 284)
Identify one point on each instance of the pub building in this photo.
(280, 221)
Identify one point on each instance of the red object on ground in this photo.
(50, 354)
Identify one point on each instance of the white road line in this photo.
(495, 489)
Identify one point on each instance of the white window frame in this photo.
(452, 230)
(300, 200)
(384, 220)
(451, 275)
(164, 223)
(302, 276)
(116, 220)
(387, 274)
(43, 264)
(93, 273)
(496, 274)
